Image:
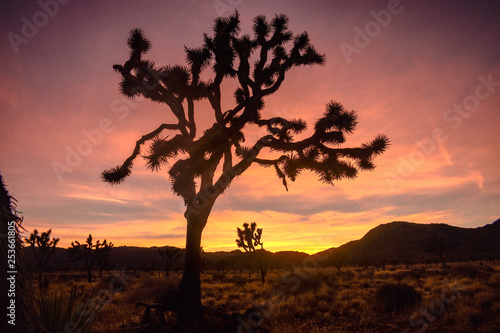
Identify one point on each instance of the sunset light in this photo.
(427, 78)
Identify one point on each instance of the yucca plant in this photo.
(11, 228)
(69, 311)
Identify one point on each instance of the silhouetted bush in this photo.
(397, 297)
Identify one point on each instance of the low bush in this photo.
(397, 297)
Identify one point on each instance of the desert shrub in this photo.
(476, 318)
(494, 280)
(418, 272)
(368, 274)
(397, 297)
(295, 283)
(412, 274)
(401, 275)
(147, 288)
(345, 276)
(311, 284)
(218, 276)
(238, 279)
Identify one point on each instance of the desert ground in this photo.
(463, 297)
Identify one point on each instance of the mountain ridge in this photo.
(401, 241)
(393, 242)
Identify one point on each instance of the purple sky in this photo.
(427, 74)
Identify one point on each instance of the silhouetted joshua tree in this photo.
(248, 239)
(169, 255)
(257, 65)
(15, 282)
(437, 246)
(43, 247)
(104, 260)
(89, 253)
(203, 260)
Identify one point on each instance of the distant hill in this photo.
(406, 242)
(141, 258)
(391, 242)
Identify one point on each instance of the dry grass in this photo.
(462, 298)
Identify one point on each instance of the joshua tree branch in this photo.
(119, 173)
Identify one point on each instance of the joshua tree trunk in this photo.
(442, 261)
(190, 309)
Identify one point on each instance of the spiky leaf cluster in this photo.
(249, 237)
(88, 251)
(193, 158)
(42, 246)
(169, 256)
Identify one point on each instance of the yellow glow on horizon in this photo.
(281, 231)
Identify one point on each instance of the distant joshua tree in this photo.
(104, 260)
(22, 316)
(248, 239)
(43, 248)
(437, 246)
(204, 260)
(169, 255)
(89, 253)
(257, 65)
(338, 260)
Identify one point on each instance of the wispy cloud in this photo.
(61, 85)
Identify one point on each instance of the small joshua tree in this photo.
(89, 253)
(43, 247)
(338, 260)
(104, 260)
(248, 239)
(169, 255)
(437, 246)
(204, 260)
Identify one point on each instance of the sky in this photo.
(424, 73)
